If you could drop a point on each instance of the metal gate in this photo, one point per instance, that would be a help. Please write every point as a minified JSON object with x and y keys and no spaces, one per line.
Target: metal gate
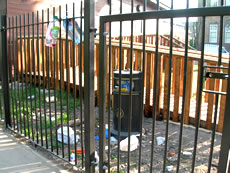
{"x":113,"y":157}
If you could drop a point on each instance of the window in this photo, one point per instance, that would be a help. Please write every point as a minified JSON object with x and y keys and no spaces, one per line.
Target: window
{"x":227,"y":34}
{"x":213,"y":33}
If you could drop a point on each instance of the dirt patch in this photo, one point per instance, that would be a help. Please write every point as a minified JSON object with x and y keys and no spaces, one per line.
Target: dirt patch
{"x":202,"y":154}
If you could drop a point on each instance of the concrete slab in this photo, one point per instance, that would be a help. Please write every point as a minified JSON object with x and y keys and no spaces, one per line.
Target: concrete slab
{"x":16,"y":157}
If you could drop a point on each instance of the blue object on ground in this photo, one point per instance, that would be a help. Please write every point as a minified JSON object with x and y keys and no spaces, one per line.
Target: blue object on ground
{"x":106,"y":135}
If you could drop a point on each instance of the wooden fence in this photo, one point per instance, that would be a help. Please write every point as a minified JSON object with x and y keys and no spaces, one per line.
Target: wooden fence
{"x":192,"y":85}
{"x":164,"y":40}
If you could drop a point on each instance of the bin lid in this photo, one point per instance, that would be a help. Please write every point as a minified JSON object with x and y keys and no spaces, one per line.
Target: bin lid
{"x":127,"y":71}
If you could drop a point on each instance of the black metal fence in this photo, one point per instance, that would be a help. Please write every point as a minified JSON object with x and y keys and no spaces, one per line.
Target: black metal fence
{"x":44,"y":107}
{"x":47,"y":101}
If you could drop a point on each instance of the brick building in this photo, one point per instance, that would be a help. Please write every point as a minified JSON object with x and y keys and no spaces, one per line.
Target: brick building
{"x":212,"y":26}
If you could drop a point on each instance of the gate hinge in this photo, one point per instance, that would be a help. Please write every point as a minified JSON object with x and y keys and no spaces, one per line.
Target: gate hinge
{"x":3,"y":28}
{"x":94,"y":30}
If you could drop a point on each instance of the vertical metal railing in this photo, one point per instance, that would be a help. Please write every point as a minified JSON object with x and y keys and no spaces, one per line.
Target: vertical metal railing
{"x":11,"y":75}
{"x":89,"y":32}
{"x":4,"y":69}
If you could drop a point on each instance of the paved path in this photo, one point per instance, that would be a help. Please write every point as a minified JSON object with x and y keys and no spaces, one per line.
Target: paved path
{"x":16,"y":157}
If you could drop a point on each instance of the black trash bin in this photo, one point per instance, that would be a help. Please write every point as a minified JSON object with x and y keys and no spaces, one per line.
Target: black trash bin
{"x":125,"y":107}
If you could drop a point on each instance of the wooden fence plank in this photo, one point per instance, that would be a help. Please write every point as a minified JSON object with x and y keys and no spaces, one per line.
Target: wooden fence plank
{"x":188,"y":90}
{"x":222,"y":105}
{"x":128,"y":54}
{"x":177,"y":89}
{"x":197,"y":93}
{"x":174,"y":73}
{"x":148,"y":87}
{"x":207,"y":88}
{"x":51,"y":66}
{"x":159,"y":84}
{"x":210,"y":101}
{"x":138,"y":60}
{"x":182,"y":77}
{"x":166,"y":86}
{"x":63,"y":65}
{"x":57,"y":67}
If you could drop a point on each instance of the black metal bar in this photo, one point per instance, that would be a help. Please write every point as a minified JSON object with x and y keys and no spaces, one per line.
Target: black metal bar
{"x":130,"y":90}
{"x":191,"y":12}
{"x":11,"y":74}
{"x":4,"y":66}
{"x":30,"y":74}
{"x":48,"y":71}
{"x":44,"y":80}
{"x":39,"y":79}
{"x":22,"y":82}
{"x":18,"y":75}
{"x":26,"y":74}
{"x":55,"y":93}
{"x":34,"y":76}
{"x":1,"y":108}
{"x":15,"y":75}
{"x":44,"y":22}
{"x":119,"y":98}
{"x":199,"y":92}
{"x":61,"y":67}
{"x":217,"y":95}
{"x":74,"y":85}
{"x":80,"y":88}
{"x":214,"y":92}
{"x":225,"y":141}
{"x":142,"y":89}
{"x":67,"y":77}
{"x":218,"y":67}
{"x":10,"y":71}
{"x":109,"y":90}
{"x":169,"y":90}
{"x":102,"y":95}
{"x":184,"y":94}
{"x":155,"y":88}
{"x":3,"y":35}
{"x":89,"y":13}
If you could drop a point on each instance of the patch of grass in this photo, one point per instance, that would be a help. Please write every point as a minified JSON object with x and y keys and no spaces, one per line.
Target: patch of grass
{"x":64,"y":118}
{"x":96,"y":123}
{"x":113,"y":156}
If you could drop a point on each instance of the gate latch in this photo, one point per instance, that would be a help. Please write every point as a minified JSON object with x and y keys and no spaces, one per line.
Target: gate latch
{"x":214,"y":75}
{"x":210,"y":74}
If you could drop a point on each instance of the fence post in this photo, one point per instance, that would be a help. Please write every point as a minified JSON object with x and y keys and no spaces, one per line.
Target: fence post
{"x":89,"y":101}
{"x":4,"y":62}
